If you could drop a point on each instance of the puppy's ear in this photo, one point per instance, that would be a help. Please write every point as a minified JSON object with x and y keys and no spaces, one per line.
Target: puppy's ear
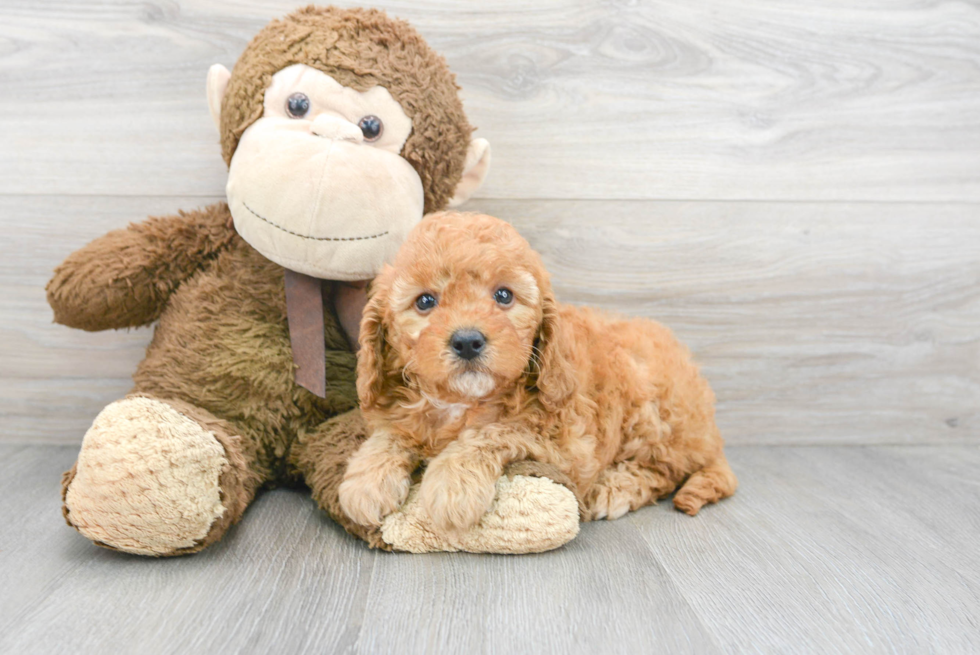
{"x":555,"y":375}
{"x":373,"y":350}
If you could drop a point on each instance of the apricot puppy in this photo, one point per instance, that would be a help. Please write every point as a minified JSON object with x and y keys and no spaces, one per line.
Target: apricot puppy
{"x":467,"y":363}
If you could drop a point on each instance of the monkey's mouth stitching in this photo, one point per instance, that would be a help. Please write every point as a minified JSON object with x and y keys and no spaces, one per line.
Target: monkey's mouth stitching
{"x":303,"y":236}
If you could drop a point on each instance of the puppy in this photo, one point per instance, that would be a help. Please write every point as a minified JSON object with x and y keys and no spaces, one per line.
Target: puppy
{"x":467,"y":363}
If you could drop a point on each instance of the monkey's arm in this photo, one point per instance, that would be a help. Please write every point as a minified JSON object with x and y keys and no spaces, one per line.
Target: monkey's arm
{"x":124,"y":278}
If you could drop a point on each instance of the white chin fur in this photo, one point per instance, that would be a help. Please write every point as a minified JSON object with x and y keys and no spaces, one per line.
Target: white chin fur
{"x":472,"y":383}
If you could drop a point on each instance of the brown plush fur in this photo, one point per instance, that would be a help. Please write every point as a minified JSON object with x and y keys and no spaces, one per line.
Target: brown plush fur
{"x":614,"y":403}
{"x":221,"y":351}
{"x":361,"y":48}
{"x":126,"y":278}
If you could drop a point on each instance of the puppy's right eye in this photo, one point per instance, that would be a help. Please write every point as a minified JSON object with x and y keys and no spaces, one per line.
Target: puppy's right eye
{"x":504,"y":297}
{"x":425,"y":302}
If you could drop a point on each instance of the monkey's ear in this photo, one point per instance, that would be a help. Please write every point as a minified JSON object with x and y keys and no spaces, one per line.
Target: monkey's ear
{"x":218,"y":77}
{"x":475,"y":170}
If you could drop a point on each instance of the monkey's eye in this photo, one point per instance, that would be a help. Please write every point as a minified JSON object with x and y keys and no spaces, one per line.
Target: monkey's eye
{"x":504,"y":297}
{"x":371,"y":128}
{"x":298,"y":105}
{"x":425,"y":302}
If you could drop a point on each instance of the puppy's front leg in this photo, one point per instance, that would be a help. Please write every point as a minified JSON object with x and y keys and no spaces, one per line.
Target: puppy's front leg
{"x":377,"y":479}
{"x":459,"y":484}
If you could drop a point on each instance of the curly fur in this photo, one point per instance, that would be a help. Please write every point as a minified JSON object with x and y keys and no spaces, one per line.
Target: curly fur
{"x":614,"y":403}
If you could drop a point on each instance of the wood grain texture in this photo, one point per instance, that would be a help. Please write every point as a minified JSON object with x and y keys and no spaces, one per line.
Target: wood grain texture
{"x":580,"y":98}
{"x":285,"y":580}
{"x":49,"y":389}
{"x":601,"y":590}
{"x":815,"y":322}
{"x":832,"y":550}
{"x":822,"y":550}
{"x":33,"y":555}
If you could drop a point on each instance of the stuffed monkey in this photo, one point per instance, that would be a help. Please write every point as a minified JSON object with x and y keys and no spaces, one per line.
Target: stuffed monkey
{"x":341,"y":128}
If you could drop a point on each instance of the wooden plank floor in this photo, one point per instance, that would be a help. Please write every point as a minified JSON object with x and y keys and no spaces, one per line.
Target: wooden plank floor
{"x":718,"y":99}
{"x":823,"y":550}
{"x":813,"y":322}
{"x":793,"y":187}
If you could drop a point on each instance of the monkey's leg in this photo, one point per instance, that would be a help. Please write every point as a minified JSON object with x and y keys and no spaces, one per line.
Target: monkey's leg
{"x":321,"y":458}
{"x":534,"y":508}
{"x":159,"y":477}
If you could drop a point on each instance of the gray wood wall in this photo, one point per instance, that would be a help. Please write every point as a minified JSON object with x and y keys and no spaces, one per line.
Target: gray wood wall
{"x":794,"y":187}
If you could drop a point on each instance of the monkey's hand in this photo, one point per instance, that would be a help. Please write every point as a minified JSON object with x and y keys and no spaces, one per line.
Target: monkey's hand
{"x":124,"y":278}
{"x":534,"y":509}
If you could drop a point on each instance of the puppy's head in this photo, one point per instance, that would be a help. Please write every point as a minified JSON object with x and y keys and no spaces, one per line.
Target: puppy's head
{"x":465,"y":311}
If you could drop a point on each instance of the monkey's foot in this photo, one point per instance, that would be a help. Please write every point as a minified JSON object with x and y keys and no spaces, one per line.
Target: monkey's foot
{"x":528,"y":515}
{"x":146,"y":480}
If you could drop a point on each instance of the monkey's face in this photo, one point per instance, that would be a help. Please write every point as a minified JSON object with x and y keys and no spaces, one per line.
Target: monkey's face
{"x":317,"y":184}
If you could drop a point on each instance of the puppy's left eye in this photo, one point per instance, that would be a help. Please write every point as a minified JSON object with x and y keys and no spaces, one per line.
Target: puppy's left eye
{"x":425,"y":302}
{"x":504,"y":296}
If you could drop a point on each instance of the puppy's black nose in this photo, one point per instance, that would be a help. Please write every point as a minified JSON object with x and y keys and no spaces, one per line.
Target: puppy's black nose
{"x":468,"y":344}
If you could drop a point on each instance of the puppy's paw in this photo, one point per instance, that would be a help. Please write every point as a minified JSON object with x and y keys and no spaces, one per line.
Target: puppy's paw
{"x":454,"y":497}
{"x":606,"y":503}
{"x":368,"y":499}
{"x":688,"y":502}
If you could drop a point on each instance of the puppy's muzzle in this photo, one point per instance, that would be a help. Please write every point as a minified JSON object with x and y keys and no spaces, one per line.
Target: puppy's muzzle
{"x":468,"y":344}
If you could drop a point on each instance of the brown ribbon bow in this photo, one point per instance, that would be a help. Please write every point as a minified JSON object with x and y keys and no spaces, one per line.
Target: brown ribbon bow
{"x":304,"y":311}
